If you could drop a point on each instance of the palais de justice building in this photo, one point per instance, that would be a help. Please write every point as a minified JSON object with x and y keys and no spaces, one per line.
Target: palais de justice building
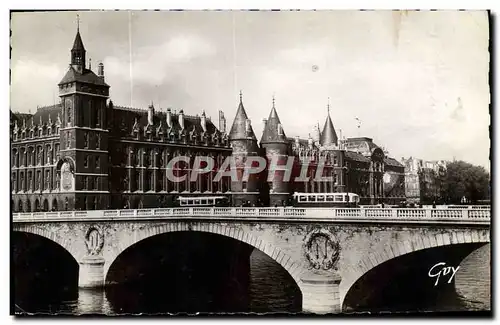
{"x":87,"y":153}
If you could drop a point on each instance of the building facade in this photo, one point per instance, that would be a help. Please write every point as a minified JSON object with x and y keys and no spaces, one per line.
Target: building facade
{"x":422,"y":179}
{"x":86,"y":153}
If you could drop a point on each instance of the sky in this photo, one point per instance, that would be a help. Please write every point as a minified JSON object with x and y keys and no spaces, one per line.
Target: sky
{"x":417,"y":81}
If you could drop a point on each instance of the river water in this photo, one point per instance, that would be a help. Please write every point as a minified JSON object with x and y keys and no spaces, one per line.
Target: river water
{"x":272,"y":290}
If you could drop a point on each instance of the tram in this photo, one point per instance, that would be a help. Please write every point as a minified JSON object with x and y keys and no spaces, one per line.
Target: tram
{"x":348,"y":200}
{"x":203,"y":201}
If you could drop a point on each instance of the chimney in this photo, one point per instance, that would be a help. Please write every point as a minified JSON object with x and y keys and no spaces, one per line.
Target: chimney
{"x":203,"y":122}
{"x":181,"y":119}
{"x":151,"y":112}
{"x":264,"y":121}
{"x":169,"y":117}
{"x":222,"y":122}
{"x":100,"y":71}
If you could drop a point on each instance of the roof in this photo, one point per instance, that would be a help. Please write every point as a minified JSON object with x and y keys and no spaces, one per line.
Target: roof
{"x":239,"y":129}
{"x":46,"y":114}
{"x":19,"y":117}
{"x":392,"y":162}
{"x":356,"y":156}
{"x":87,"y":76}
{"x":127,"y":116}
{"x":328,"y":136}
{"x":78,"y":44}
{"x":271,"y":132}
{"x":363,"y":145}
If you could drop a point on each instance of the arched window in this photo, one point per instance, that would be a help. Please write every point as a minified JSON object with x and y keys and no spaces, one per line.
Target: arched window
{"x":86,"y":140}
{"x":66,"y":204}
{"x":28,"y":206}
{"x":20,"y":206}
{"x":54,"y":205}
{"x":96,"y":183}
{"x":98,"y":141}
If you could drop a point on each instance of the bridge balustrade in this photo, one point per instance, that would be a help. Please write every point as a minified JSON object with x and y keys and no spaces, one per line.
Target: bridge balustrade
{"x":411,"y":213}
{"x":448,"y":213}
{"x":295,"y":212}
{"x":479,"y":213}
{"x":247,"y":212}
{"x":376,"y":214}
{"x":379,"y":213}
{"x":347,"y":212}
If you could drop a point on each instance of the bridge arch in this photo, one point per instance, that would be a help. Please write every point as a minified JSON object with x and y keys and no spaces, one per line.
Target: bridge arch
{"x":416,"y":243}
{"x":294,"y":268}
{"x":54,"y":236}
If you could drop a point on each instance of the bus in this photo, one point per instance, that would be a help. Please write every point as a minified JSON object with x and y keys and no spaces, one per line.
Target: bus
{"x":348,"y":200}
{"x":203,"y":201}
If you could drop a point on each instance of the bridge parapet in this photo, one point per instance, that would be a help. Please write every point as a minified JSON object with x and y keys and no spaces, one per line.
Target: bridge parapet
{"x":470,"y":215}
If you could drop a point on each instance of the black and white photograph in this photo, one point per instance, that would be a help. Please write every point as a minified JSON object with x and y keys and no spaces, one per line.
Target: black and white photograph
{"x":250,"y":162}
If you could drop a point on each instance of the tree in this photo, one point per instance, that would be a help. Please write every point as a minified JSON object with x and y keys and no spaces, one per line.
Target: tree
{"x":464,"y":179}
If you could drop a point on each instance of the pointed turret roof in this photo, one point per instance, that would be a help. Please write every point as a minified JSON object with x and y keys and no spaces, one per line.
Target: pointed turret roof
{"x":328,"y":136}
{"x":78,"y":44}
{"x":271,"y":133}
{"x":239,"y":128}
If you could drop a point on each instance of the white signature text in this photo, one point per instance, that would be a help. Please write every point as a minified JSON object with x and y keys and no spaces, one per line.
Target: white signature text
{"x":440,"y":269}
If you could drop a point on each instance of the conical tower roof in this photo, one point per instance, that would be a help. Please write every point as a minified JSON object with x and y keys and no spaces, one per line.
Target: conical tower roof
{"x":78,"y":43}
{"x":273,"y":130}
{"x":241,"y":129}
{"x":328,"y":136}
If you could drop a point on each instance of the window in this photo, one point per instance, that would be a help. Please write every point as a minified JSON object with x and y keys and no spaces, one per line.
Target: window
{"x":30,"y":181}
{"x":14,"y":182}
{"x":57,"y":151}
{"x":147,"y":157}
{"x":98,"y":141}
{"x":137,"y":181}
{"x":22,"y":182}
{"x":47,"y":180}
{"x":38,"y":180}
{"x":335,"y":178}
{"x":151,"y":181}
{"x":96,"y":183}
{"x":86,"y":140}
{"x":97,"y":117}
{"x":68,"y":141}
{"x":84,"y":203}
{"x":335,"y":161}
{"x":97,"y":162}
{"x":69,"y":115}
{"x":86,"y":161}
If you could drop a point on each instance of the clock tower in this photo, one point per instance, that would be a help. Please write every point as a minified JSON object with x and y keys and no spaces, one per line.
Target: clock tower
{"x":83,"y":166}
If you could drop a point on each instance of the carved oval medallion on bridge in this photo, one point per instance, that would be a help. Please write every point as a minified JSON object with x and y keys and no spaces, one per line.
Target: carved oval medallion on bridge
{"x":321,"y":249}
{"x":94,"y":240}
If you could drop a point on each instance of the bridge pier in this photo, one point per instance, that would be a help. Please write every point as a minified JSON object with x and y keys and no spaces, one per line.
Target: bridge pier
{"x":91,"y":273}
{"x":320,"y":293}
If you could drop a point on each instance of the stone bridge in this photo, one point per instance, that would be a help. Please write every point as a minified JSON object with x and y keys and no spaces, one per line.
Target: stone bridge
{"x":326,"y":251}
